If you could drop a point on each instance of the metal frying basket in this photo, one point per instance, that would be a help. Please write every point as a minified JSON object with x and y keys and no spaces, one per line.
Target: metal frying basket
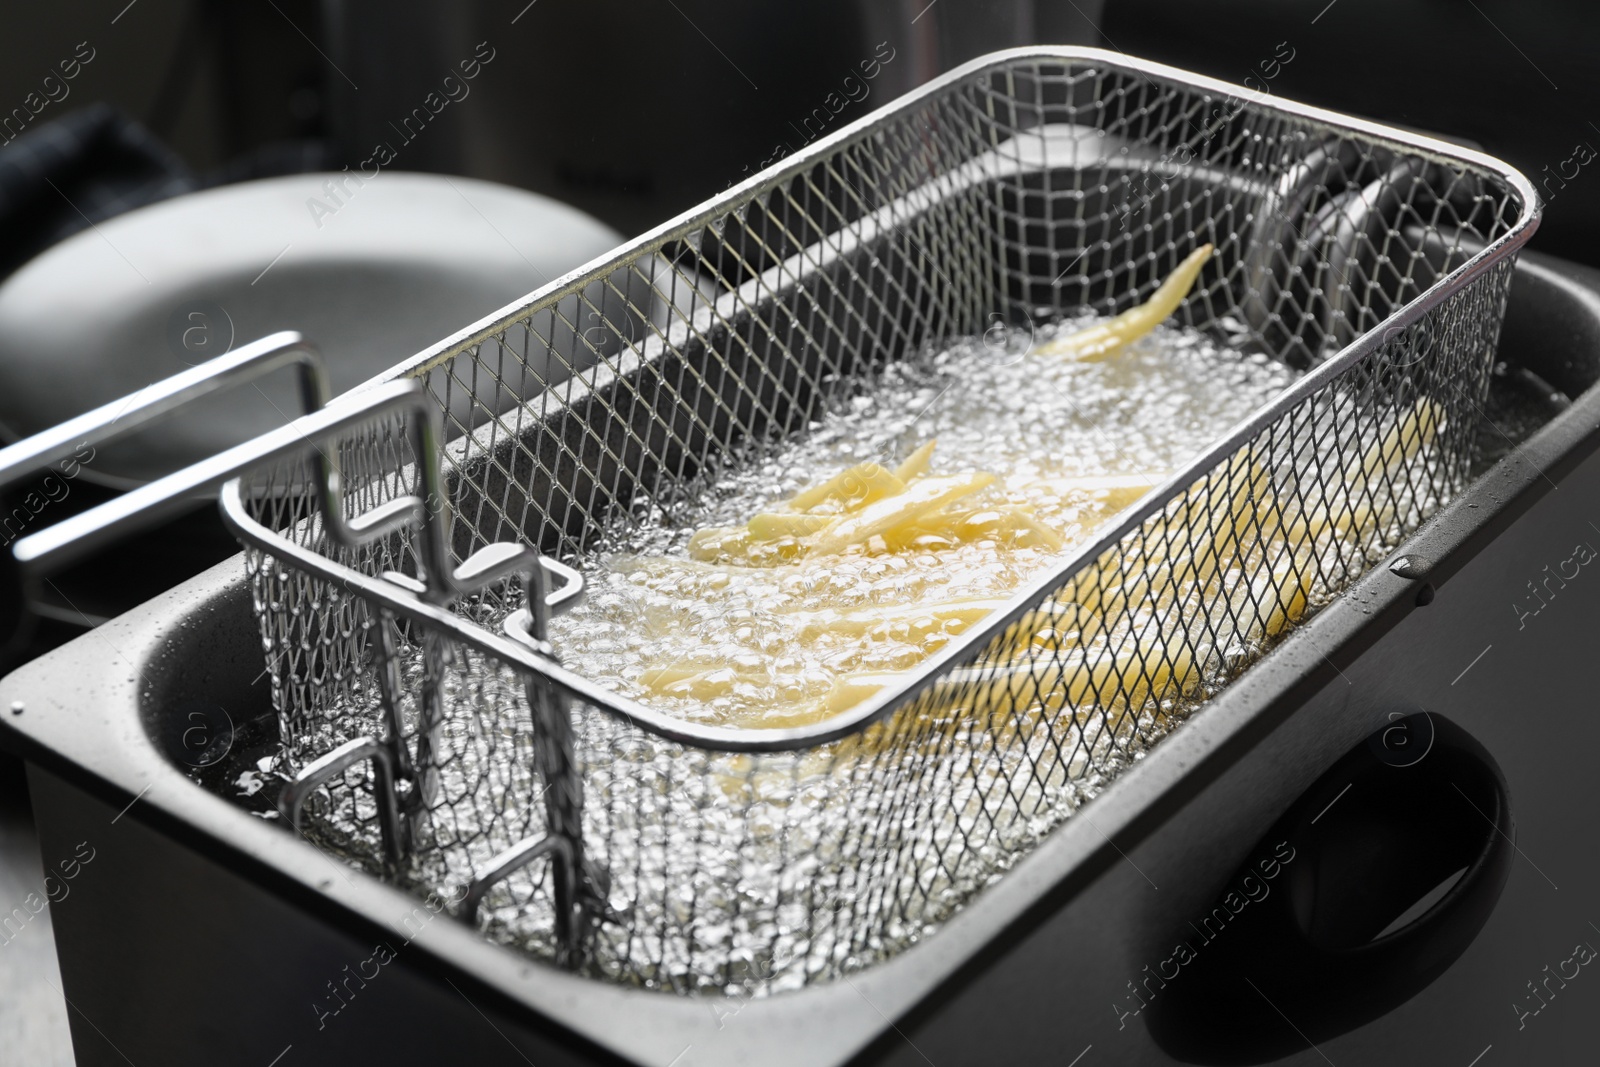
{"x":440,"y":746}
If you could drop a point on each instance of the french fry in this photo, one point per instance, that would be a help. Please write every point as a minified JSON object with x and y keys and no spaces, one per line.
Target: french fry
{"x":1404,"y":441}
{"x":1005,"y":522}
{"x":916,"y":463}
{"x":699,"y":682}
{"x":1099,"y":643}
{"x":1220,"y":512}
{"x":1128,"y":678}
{"x":1106,"y":339}
{"x":1013,"y":523}
{"x":923,"y":496}
{"x":1229,"y":507}
{"x":773,"y":525}
{"x":736,"y":544}
{"x":1113,"y":492}
{"x":910,"y":623}
{"x":717,"y":542}
{"x":1283,"y":600}
{"x":1055,"y":625}
{"x":1411,"y":433}
{"x":850,"y":489}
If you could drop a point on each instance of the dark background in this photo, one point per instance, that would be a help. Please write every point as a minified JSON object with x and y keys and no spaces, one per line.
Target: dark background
{"x":635,"y":110}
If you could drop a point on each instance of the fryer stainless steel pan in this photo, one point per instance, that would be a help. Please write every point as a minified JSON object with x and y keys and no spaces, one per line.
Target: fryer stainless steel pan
{"x":1379,"y":259}
{"x":1033,"y":183}
{"x":249,"y":923}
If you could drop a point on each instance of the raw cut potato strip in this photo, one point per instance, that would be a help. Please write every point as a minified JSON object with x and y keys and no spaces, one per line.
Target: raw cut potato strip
{"x":851,"y":489}
{"x":916,"y":463}
{"x":1106,"y":339}
{"x":909,"y":623}
{"x":924,"y":495}
{"x":1005,"y":522}
{"x":1127,"y":678}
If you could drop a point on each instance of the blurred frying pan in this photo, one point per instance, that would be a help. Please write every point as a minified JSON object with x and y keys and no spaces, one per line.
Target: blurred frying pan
{"x":376,"y":269}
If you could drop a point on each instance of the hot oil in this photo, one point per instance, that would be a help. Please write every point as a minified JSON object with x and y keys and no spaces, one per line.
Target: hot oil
{"x":760,"y":636}
{"x":760,"y":873}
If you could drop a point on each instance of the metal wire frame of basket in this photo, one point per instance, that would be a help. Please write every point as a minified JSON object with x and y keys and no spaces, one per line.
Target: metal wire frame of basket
{"x":1036,"y":182}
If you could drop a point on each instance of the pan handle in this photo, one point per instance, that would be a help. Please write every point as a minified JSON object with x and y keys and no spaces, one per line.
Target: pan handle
{"x":1381,"y":874}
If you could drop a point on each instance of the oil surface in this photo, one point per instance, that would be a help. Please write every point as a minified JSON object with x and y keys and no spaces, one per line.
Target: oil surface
{"x":1040,"y":424}
{"x":753,"y":874}
{"x":721,"y":872}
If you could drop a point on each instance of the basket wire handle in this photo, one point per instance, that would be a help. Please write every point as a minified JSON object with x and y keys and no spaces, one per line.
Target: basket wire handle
{"x":82,"y":534}
{"x":424,"y":511}
{"x":427,"y":509}
{"x":92,"y":529}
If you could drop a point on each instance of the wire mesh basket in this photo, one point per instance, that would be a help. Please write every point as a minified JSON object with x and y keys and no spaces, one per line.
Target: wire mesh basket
{"x":589,"y":827}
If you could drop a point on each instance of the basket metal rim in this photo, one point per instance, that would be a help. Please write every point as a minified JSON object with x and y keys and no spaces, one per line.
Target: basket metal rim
{"x":574,"y":281}
{"x":881,"y":704}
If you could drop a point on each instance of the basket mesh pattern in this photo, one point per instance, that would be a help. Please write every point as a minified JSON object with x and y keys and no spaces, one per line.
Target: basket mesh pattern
{"x":1035,"y":186}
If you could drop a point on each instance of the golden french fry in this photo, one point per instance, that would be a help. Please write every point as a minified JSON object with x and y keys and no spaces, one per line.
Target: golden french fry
{"x":1106,"y":339}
